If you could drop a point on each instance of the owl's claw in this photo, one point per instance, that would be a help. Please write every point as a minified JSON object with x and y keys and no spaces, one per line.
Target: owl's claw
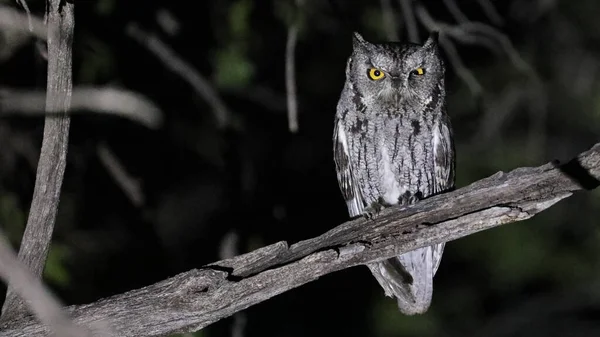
{"x":373,"y":211}
{"x":409,"y":198}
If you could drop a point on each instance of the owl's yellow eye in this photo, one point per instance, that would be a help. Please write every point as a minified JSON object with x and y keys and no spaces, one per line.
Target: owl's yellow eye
{"x":419,"y":71}
{"x":376,"y":74}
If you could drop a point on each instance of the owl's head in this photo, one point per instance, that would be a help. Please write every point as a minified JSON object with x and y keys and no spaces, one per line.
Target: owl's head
{"x":396,"y":72}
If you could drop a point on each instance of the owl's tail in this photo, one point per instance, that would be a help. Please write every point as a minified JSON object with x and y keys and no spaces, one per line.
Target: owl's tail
{"x":409,"y":277}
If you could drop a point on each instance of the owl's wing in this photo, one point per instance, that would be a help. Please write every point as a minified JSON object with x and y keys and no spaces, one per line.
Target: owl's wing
{"x":443,"y":155}
{"x":345,"y":175}
{"x":444,"y":167}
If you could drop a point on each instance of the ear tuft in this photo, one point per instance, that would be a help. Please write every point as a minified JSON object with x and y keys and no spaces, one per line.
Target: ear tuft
{"x":358,"y":41}
{"x":432,"y":40}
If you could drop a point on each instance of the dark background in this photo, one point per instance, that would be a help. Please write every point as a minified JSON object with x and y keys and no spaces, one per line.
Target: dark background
{"x":262,"y":184}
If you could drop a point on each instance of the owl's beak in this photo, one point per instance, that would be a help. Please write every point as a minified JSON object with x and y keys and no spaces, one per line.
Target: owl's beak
{"x":398,"y":83}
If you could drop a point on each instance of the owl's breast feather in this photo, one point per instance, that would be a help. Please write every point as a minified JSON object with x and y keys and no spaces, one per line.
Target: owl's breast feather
{"x":390,"y":188}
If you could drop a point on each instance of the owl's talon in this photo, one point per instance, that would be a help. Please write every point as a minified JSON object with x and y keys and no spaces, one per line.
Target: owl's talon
{"x":373,"y":211}
{"x":409,"y":198}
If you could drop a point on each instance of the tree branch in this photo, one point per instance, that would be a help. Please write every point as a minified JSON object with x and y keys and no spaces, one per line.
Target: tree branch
{"x":53,"y":156}
{"x":12,"y":19}
{"x":410,"y":22}
{"x":389,"y":20}
{"x":183,"y":69}
{"x":43,"y":303}
{"x":107,"y":100}
{"x":290,"y":70}
{"x":192,"y":300}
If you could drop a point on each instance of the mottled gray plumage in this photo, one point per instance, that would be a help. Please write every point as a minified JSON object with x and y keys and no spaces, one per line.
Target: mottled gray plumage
{"x":393,"y":144}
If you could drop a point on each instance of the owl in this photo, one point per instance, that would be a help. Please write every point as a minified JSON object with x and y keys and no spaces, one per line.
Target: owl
{"x":392,"y":144}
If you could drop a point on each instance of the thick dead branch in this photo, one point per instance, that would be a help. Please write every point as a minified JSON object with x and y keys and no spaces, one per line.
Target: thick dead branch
{"x":120,"y":102}
{"x":194,"y":299}
{"x":43,"y":303}
{"x":53,"y":156}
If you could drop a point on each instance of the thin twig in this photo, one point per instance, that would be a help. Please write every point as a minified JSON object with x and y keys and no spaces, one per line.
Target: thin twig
{"x":481,"y":34}
{"x":455,"y":60}
{"x":130,"y":185}
{"x":176,"y":64}
{"x":12,"y":19}
{"x":23,"y":4}
{"x":53,"y":156}
{"x":461,"y":70}
{"x":491,"y":12}
{"x":290,"y":71}
{"x":29,"y":287}
{"x":410,"y":21}
{"x":455,"y":10}
{"x":115,"y":101}
{"x":389,"y":20}
{"x":168,"y":22}
{"x":504,"y":42}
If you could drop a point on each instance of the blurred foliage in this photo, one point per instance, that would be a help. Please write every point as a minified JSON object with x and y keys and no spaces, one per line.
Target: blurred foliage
{"x":233,"y":68}
{"x":535,"y":278}
{"x":55,"y":272}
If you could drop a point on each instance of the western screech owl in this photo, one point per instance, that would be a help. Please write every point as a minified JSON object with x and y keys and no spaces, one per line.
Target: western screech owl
{"x":393,"y":144}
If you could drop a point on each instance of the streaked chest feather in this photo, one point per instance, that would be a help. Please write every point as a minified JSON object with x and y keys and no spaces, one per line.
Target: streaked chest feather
{"x":393,"y":156}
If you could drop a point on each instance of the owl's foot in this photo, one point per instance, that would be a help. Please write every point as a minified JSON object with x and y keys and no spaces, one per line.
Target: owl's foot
{"x":373,"y":211}
{"x":409,"y":198}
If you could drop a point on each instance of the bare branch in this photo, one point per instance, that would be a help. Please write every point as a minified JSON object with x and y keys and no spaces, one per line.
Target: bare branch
{"x":120,"y":102}
{"x":503,"y":41}
{"x":290,"y":71}
{"x":23,"y":4}
{"x":455,"y":10}
{"x":410,"y":21}
{"x":455,"y":60}
{"x":168,"y":22}
{"x":53,"y":156}
{"x":491,"y":12}
{"x":389,"y":21}
{"x":462,"y":71}
{"x":176,"y":64}
{"x":12,"y":19}
{"x":29,"y":287}
{"x":194,"y":299}
{"x":130,"y":186}
{"x":228,"y":250}
{"x":478,"y":33}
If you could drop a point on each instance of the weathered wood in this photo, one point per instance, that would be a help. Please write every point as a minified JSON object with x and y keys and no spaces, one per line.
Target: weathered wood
{"x":194,"y":299}
{"x":41,"y":301}
{"x":53,"y":156}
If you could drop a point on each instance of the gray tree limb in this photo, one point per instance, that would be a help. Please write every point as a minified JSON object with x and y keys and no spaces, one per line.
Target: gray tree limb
{"x":51,"y":166}
{"x":192,"y":300}
{"x":101,"y":100}
{"x":43,"y":303}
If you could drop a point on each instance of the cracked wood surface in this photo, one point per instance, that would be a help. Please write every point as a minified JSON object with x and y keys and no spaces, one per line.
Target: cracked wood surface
{"x":194,"y":299}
